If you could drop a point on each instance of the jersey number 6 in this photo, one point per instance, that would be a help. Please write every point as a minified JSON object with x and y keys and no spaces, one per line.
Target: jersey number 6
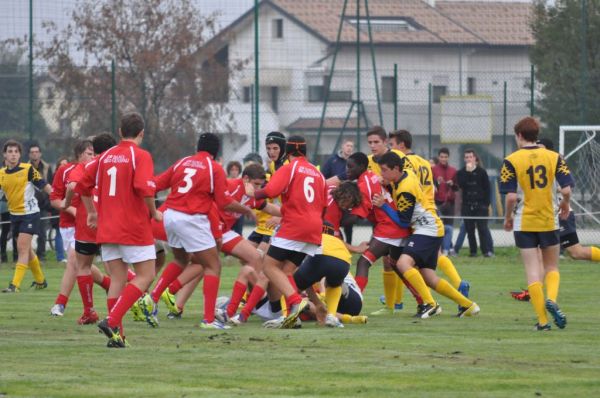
{"x":309,"y":191}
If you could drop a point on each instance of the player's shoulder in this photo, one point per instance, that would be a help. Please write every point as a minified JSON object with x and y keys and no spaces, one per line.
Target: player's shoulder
{"x":398,"y":152}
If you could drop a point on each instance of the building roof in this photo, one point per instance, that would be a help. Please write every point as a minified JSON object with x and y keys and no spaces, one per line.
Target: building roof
{"x":410,"y":21}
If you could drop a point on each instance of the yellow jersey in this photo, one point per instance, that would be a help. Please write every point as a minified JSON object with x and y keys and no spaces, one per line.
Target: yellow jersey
{"x":261,"y":216}
{"x":375,"y":168}
{"x":334,"y":247}
{"x":531,"y":172}
{"x":414,"y":208}
{"x":423,"y":170}
{"x":18,"y":184}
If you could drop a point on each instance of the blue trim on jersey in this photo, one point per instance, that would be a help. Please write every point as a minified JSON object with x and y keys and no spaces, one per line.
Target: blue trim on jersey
{"x":393,"y":214}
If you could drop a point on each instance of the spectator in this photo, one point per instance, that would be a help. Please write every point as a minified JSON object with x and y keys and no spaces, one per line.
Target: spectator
{"x":475,"y":185}
{"x":234,"y":169}
{"x":35,"y":158}
{"x":444,"y":178}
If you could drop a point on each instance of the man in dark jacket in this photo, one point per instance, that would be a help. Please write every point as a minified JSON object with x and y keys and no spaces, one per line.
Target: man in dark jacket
{"x":336,"y":164}
{"x":475,"y":185}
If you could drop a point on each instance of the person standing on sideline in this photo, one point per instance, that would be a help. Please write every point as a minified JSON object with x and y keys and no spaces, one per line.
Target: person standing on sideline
{"x":335,"y":166}
{"x":35,"y":158}
{"x":444,"y":178}
{"x":475,"y":185}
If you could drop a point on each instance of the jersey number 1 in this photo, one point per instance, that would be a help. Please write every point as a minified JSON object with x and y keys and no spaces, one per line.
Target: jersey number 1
{"x":112,"y":188}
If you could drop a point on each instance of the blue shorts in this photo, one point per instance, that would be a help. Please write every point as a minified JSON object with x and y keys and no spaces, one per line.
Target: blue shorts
{"x":26,"y":224}
{"x":258,"y":237}
{"x":568,"y":232}
{"x":424,"y":250}
{"x":530,"y":240}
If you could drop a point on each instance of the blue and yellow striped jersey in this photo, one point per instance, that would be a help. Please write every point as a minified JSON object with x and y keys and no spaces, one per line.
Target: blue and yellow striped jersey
{"x":531,"y":173}
{"x":414,"y":208}
{"x":18,"y":184}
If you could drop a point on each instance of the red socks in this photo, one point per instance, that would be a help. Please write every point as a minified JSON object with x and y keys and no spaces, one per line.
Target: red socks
{"x":128,"y":296}
{"x":105,"y":283}
{"x":362,"y":281}
{"x":210,"y":290}
{"x":130,"y":275}
{"x":61,"y":299}
{"x":175,"y":286}
{"x":236,"y":297}
{"x":293,"y":299}
{"x":171,"y":272}
{"x":255,"y":296}
{"x":86,"y":289}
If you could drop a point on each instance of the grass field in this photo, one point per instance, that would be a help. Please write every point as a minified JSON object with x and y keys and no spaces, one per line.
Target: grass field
{"x":495,"y":354}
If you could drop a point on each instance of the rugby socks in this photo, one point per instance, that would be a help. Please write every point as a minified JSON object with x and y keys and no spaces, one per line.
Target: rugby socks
{"x":595,"y":254}
{"x":62,"y":300}
{"x":255,"y":296}
{"x":347,"y":318}
{"x":19,"y":274}
{"x":389,"y":288}
{"x":86,"y":289}
{"x":170,"y":273}
{"x":332,"y":298}
{"x":175,"y":286}
{"x":416,"y":280}
{"x":290,"y":278}
{"x":210,"y":290}
{"x":399,"y":290}
{"x":130,"y":275}
{"x":128,"y":296}
{"x":105,"y":283}
{"x":536,"y":297}
{"x":36,"y":269}
{"x":412,"y":290}
{"x":446,"y":289}
{"x":362,"y":282}
{"x":239,"y":289}
{"x":445,"y":264}
{"x":552,"y":281}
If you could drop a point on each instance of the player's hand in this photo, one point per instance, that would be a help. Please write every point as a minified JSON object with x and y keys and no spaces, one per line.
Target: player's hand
{"x":470,"y":166}
{"x":508,"y":224}
{"x":563,"y":210}
{"x":71,"y":210}
{"x":62,"y":206}
{"x":158,"y":216}
{"x":321,"y":314}
{"x":249,"y":189}
{"x":450,"y":183}
{"x":362,"y":247}
{"x":251,"y":215}
{"x":378,"y":200}
{"x":272,"y":222}
{"x":92,"y":220}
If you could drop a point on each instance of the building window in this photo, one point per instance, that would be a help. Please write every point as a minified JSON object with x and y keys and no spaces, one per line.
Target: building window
{"x":277,"y":28}
{"x":471,"y":86}
{"x":387,"y":89}
{"x":316,"y":93}
{"x":247,"y":96}
{"x":437,"y":93}
{"x":275,"y":99}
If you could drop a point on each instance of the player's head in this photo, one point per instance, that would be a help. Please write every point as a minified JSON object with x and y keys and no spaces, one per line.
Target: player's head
{"x":209,"y":142}
{"x":401,"y":140}
{"x":356,"y":164}
{"x":132,"y":126}
{"x":377,"y":140}
{"x":12,"y":152}
{"x":83,"y":150}
{"x":251,"y":158}
{"x":35,"y":152}
{"x":392,"y":167}
{"x":347,"y":195}
{"x":295,"y":146}
{"x":443,"y":156}
{"x":546,"y":143}
{"x":103,"y":142}
{"x":255,"y":175}
{"x":275,"y":145}
{"x":527,"y":131}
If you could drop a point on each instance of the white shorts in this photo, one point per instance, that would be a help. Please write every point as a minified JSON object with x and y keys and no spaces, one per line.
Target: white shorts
{"x":398,"y":242}
{"x":294,"y":245}
{"x":68,"y":237}
{"x":190,"y":232}
{"x":128,"y":253}
{"x":265,"y":313}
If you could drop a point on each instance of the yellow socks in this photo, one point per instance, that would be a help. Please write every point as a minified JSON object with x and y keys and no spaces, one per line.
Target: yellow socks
{"x":595,"y":253}
{"x":445,"y":264}
{"x":346,"y":318}
{"x":36,"y":270}
{"x":332,"y":298}
{"x":20,"y":271}
{"x":399,"y":290}
{"x":552,"y":282}
{"x":536,"y":295}
{"x":416,"y":280}
{"x":445,"y":289}
{"x":390,"y":280}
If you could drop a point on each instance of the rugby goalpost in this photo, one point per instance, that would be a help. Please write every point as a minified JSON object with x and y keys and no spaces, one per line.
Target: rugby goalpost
{"x":581,"y":145}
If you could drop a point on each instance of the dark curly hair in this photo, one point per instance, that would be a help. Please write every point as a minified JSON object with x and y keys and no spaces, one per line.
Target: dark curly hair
{"x":347,"y":192}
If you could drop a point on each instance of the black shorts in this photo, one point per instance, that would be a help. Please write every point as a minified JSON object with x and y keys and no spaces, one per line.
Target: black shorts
{"x":26,"y":223}
{"x":350,"y":302}
{"x":313,"y":269}
{"x":568,"y":232}
{"x":258,"y":238}
{"x":280,"y":254}
{"x":530,"y":240}
{"x":424,"y":250}
{"x":87,"y":248}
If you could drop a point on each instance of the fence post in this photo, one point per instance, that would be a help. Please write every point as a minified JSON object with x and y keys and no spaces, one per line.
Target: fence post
{"x":113,"y":97}
{"x":395,"y":97}
{"x":531,"y":93}
{"x":256,"y":79}
{"x":429,"y":115}
{"x":30,"y":116}
{"x":504,"y":123}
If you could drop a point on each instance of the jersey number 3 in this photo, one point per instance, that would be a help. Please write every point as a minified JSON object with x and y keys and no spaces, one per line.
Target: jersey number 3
{"x":537,"y":176}
{"x":187,"y":178}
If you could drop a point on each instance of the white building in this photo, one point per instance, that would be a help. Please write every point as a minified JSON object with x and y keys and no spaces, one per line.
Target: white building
{"x":464,"y":50}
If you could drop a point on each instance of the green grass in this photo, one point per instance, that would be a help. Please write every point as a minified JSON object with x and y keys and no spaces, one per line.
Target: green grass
{"x":495,"y":354}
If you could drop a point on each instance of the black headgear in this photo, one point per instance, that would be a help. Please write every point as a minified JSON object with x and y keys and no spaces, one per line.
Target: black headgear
{"x":296,"y":146}
{"x":209,"y":142}
{"x":275,"y":137}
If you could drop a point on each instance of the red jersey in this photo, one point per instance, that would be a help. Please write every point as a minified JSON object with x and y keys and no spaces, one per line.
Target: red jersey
{"x":83,"y":233}
{"x":59,"y":190}
{"x":304,"y":196}
{"x":237,"y":191}
{"x":124,"y":177}
{"x":333,"y":213}
{"x":195,"y":181}
{"x":384,"y":227}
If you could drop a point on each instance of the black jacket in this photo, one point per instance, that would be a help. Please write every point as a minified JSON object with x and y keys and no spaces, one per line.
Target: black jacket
{"x":475,"y":186}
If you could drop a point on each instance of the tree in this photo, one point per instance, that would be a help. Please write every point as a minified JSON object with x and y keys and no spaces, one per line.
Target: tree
{"x":567,"y":61}
{"x":159,"y":48}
